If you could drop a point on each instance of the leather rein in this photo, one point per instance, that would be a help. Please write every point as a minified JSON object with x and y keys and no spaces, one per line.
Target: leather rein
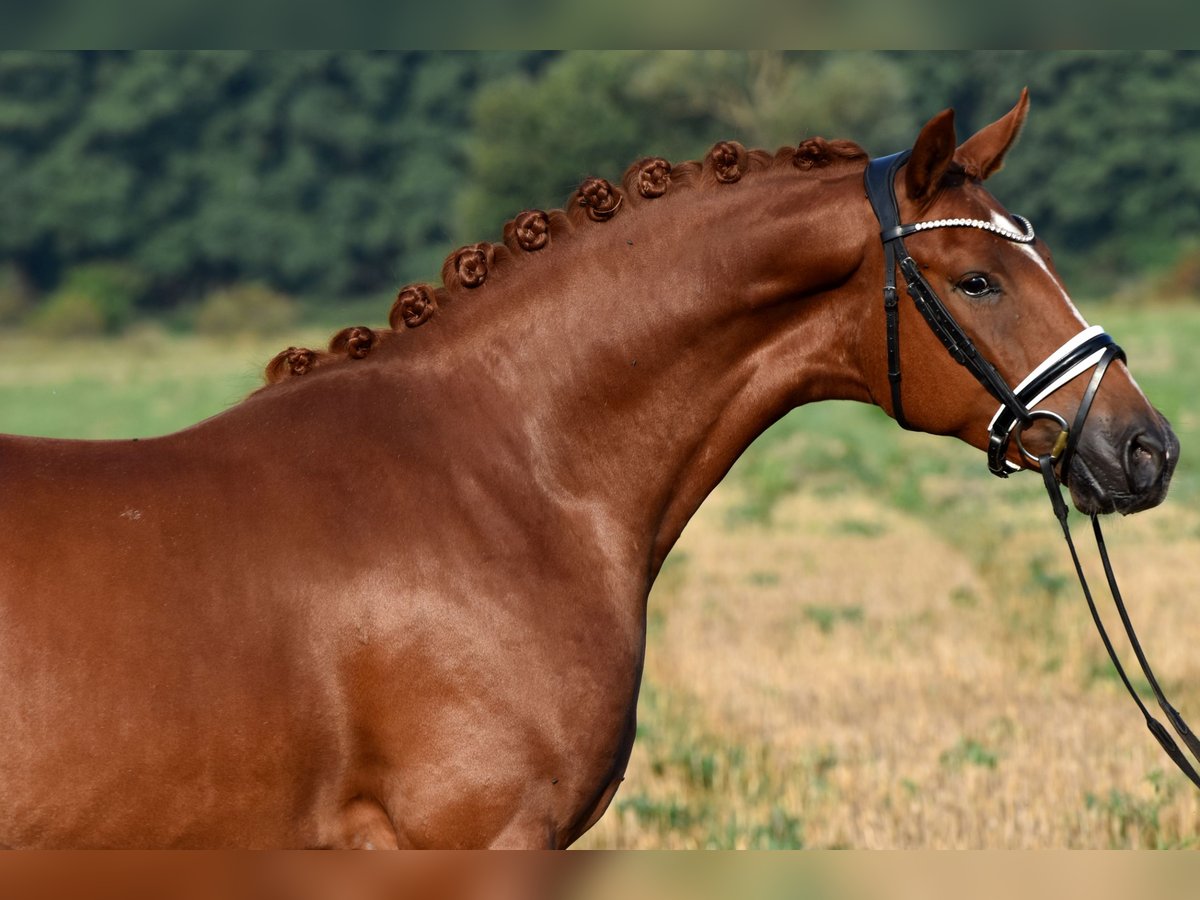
{"x":1092,"y":349}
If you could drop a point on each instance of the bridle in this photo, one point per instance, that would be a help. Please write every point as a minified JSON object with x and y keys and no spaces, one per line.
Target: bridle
{"x":1091,"y":349}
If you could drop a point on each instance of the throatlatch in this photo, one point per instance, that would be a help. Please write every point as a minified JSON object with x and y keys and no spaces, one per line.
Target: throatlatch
{"x":1092,"y":348}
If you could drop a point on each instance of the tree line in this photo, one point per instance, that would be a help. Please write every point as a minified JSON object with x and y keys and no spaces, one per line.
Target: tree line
{"x":343,"y":173}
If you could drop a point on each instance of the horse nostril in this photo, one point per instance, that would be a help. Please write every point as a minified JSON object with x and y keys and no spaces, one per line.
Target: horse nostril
{"x":1144,"y":461}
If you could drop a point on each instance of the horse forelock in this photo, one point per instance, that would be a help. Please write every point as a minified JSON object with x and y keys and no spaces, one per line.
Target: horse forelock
{"x":473,"y":267}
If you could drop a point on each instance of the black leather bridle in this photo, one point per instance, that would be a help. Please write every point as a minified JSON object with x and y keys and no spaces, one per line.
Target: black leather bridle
{"x":1092,"y":349}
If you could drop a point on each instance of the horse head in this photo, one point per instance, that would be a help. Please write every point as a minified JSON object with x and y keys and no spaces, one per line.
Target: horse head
{"x":992,"y":324}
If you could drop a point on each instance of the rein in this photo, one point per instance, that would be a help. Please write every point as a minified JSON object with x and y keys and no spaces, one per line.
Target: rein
{"x":1092,"y":348}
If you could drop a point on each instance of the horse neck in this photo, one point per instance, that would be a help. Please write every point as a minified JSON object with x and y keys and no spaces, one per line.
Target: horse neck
{"x":637,"y":358}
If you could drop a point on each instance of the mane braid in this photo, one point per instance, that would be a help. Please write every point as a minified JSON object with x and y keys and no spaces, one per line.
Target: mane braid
{"x":470,"y":270}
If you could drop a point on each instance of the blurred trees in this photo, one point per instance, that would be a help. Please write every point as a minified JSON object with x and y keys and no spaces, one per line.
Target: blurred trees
{"x":595,"y":112}
{"x":326,"y":172}
{"x":1108,"y":168}
{"x":336,"y":173}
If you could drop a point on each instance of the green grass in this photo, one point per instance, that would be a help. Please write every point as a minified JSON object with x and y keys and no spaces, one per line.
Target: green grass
{"x":1131,"y":818}
{"x":695,"y":775}
{"x":145,"y":384}
{"x":826,"y":617}
{"x":969,"y":752}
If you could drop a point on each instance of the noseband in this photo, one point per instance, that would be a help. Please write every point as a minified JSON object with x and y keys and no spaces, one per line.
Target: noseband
{"x":1092,"y":348}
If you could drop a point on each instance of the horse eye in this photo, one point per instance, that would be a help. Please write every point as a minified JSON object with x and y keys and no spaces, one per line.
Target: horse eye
{"x":976,"y":285}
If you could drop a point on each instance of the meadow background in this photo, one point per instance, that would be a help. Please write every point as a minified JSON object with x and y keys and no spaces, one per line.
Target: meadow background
{"x":863,"y":639}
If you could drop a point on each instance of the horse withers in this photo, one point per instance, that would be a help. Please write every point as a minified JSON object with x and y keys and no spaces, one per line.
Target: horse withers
{"x":397,"y":597}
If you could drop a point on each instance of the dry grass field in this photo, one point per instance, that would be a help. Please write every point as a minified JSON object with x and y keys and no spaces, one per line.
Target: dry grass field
{"x":862,"y":640}
{"x":847,"y":677}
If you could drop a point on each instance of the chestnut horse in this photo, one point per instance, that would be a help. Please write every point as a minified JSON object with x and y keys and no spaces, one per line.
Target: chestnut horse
{"x":398,"y":596}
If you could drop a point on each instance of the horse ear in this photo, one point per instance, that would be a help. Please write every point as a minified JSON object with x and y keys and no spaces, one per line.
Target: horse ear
{"x":982,"y":154}
{"x":931,"y":154}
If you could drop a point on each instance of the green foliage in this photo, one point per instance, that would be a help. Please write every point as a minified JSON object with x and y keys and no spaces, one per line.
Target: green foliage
{"x":969,"y":752}
{"x":1182,"y":280}
{"x":69,"y":314}
{"x":94,"y":298}
{"x":1047,"y":578}
{"x":16,"y":294}
{"x":861,"y":527}
{"x":244,"y":309}
{"x":826,"y":617}
{"x":764,"y":578}
{"x":1102,"y":671}
{"x":771,"y":477}
{"x":694,"y":774}
{"x":593,"y":112}
{"x":1108,"y":167}
{"x":1135,"y":821}
{"x":964,"y":596}
{"x":313,"y":171}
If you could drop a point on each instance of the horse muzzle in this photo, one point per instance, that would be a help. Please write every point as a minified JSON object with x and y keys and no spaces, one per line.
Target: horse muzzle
{"x":1123,"y":470}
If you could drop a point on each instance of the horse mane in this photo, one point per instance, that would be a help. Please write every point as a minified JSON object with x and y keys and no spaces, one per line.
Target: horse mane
{"x":594,"y":201}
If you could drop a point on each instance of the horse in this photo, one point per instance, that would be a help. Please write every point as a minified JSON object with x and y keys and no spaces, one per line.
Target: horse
{"x":397,"y":596}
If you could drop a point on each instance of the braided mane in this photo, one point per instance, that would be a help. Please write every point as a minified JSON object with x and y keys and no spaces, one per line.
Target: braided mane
{"x":595,"y":201}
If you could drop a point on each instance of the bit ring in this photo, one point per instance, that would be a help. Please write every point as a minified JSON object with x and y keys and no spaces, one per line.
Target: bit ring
{"x":1059,"y":443}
